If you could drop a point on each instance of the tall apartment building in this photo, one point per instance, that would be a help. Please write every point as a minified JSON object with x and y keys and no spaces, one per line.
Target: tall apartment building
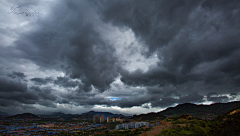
{"x":113,"y":119}
{"x":96,"y":118}
{"x":101,"y":119}
{"x":108,"y":119}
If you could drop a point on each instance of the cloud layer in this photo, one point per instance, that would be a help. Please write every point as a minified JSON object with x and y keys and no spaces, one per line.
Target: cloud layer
{"x":78,"y":54}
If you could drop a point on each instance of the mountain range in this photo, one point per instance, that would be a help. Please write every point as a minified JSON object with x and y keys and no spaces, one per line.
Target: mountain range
{"x":67,"y":116}
{"x":23,"y":116}
{"x":88,"y":115}
{"x":199,"y":111}
{"x":104,"y":114}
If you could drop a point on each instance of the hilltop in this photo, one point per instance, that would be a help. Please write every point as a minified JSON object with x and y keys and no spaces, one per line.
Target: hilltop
{"x":23,"y":116}
{"x":104,"y":114}
{"x":88,"y":115}
{"x":148,"y":116}
{"x":198,"y":111}
{"x":201,"y":111}
{"x":68,"y":116}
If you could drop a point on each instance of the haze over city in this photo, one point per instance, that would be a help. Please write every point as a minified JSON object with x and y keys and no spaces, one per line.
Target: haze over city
{"x":120,"y":56}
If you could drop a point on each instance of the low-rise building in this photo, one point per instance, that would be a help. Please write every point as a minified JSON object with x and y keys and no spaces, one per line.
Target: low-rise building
{"x":126,"y":126}
{"x":46,"y":125}
{"x":120,"y":120}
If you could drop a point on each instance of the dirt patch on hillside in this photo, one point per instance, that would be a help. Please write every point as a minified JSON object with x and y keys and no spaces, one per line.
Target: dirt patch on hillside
{"x":233,"y":112}
{"x":181,"y":125}
{"x":157,"y":129}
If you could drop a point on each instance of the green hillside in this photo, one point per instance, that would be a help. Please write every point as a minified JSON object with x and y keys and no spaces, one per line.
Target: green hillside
{"x":148,"y":116}
{"x":227,"y":124}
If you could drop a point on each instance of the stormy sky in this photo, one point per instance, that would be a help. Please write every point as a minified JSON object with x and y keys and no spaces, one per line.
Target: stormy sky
{"x":121,"y":56}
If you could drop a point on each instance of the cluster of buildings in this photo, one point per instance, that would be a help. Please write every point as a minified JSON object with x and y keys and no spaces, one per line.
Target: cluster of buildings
{"x":134,"y":125}
{"x":100,"y":119}
{"x":54,"y":128}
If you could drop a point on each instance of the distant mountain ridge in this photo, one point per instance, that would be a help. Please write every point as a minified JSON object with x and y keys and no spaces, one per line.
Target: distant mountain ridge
{"x":104,"y":114}
{"x":201,"y":111}
{"x":67,"y":116}
{"x":148,"y":116}
{"x":57,"y":114}
{"x":23,"y":116}
{"x":88,"y":115}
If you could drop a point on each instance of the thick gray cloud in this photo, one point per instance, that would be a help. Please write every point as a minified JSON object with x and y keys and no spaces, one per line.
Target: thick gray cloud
{"x":11,"y":86}
{"x":40,"y":81}
{"x":150,"y":78}
{"x":17,"y":75}
{"x":14,"y":93}
{"x":213,"y":96}
{"x":71,"y":53}
{"x":156,"y":23}
{"x":195,"y":40}
{"x":66,"y":82}
{"x":60,"y":81}
{"x":68,"y":35}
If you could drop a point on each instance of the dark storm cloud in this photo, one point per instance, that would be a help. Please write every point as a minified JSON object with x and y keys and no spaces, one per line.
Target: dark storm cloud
{"x":233,"y":94}
{"x":169,"y":101}
{"x":132,"y":101}
{"x":15,"y":93}
{"x":196,"y":42}
{"x":80,"y":97}
{"x":47,"y":103}
{"x":11,"y":86}
{"x":45,"y":93}
{"x":154,"y":22}
{"x":20,"y":97}
{"x":60,"y":81}
{"x":18,"y":75}
{"x":149,"y":78}
{"x":94,"y":99}
{"x":159,"y":98}
{"x":66,"y":82}
{"x":42,"y":81}
{"x":68,"y":37}
{"x":215,"y":97}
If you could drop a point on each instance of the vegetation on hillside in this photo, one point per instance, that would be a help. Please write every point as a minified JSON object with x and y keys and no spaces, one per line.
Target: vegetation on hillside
{"x":148,"y":116}
{"x":133,"y":132}
{"x":227,"y":124}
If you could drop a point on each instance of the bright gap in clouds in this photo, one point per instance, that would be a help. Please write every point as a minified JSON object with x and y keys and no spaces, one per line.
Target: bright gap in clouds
{"x":128,"y":48}
{"x":114,"y":98}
